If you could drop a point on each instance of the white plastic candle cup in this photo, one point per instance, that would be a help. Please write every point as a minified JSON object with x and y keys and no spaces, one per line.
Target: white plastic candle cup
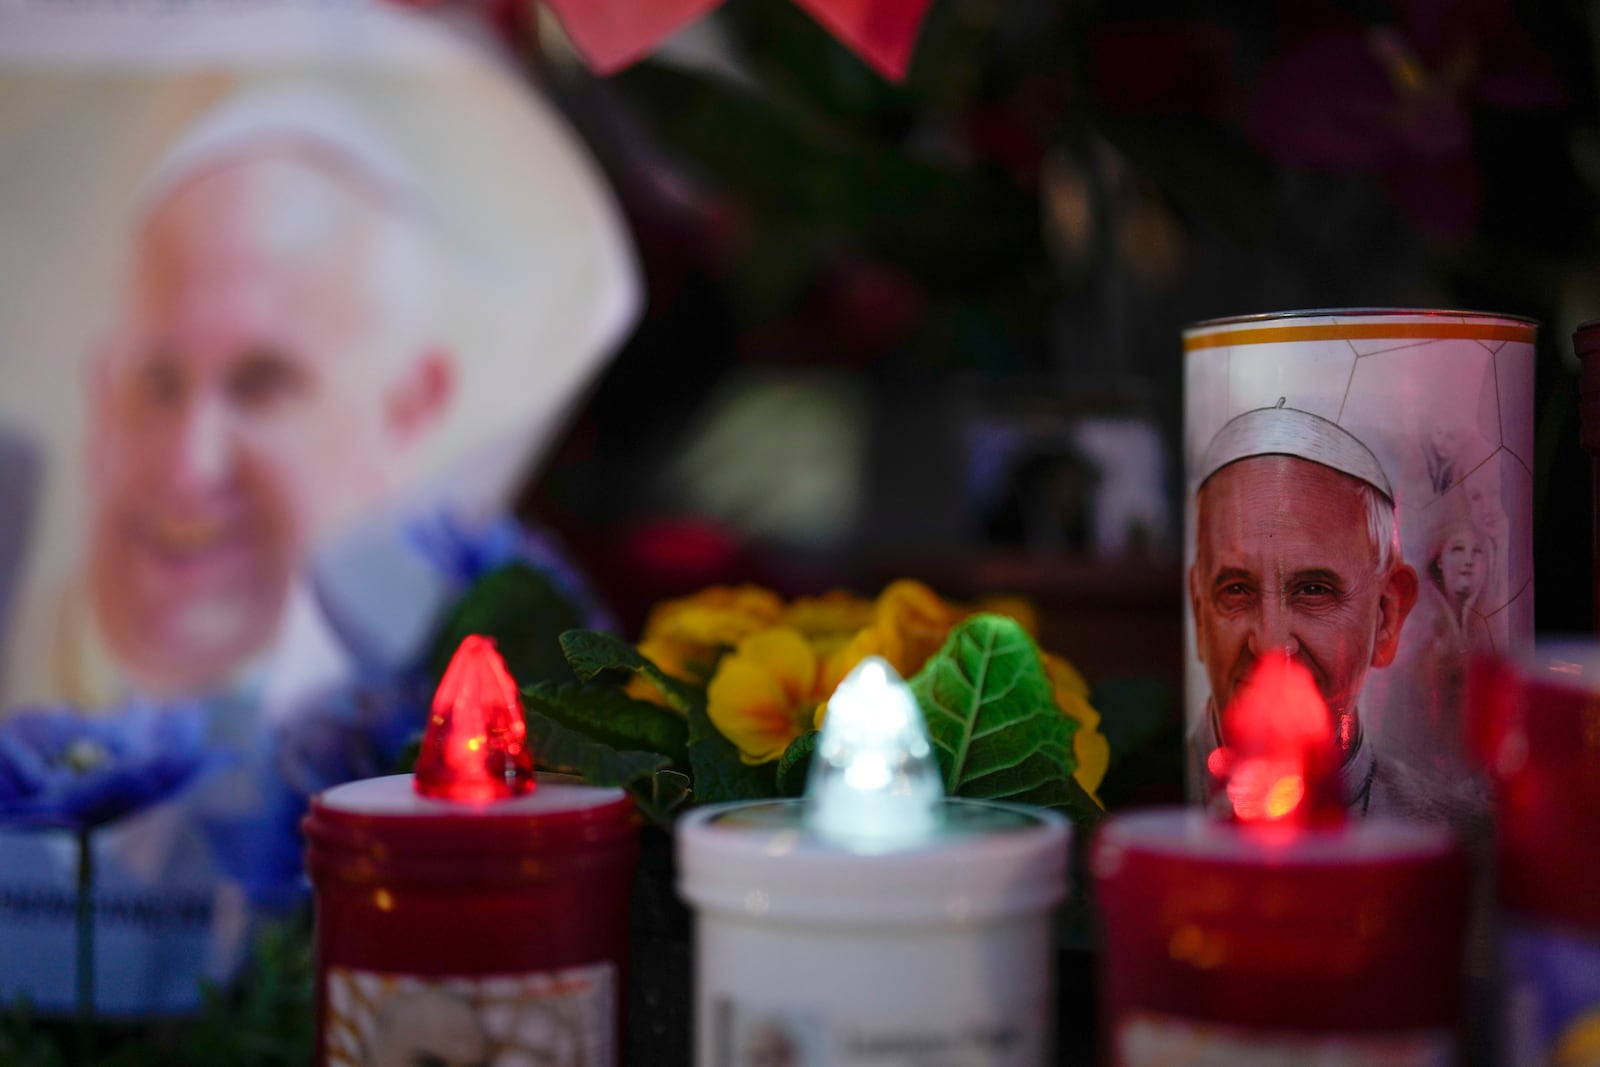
{"x":811,"y":953}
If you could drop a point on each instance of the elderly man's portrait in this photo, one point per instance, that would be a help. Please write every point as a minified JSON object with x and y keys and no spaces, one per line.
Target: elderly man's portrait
{"x":1297,"y":549}
{"x":305,"y":307}
{"x":275,"y":360}
{"x":287,"y":319}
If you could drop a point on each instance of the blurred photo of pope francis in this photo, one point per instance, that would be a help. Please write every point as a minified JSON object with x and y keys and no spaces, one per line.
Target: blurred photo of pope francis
{"x":277,"y":383}
{"x":274,"y":363}
{"x":323,"y":314}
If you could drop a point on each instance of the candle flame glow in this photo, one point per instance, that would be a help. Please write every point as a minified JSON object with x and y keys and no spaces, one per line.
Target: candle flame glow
{"x":475,"y":747}
{"x":1279,"y":762}
{"x":873,"y":779}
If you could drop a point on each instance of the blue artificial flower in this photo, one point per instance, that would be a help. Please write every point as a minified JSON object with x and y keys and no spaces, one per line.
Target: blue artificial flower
{"x":465,"y":553}
{"x":60,"y":769}
{"x":352,"y":731}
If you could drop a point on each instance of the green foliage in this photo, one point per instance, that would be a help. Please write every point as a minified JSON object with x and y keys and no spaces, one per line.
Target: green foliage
{"x":795,"y":764}
{"x":266,"y":1020}
{"x":592,"y":653}
{"x":22,"y":1042}
{"x":995,"y":727}
{"x":719,"y":774}
{"x":610,"y":716}
{"x":569,"y":751}
{"x":523,"y":611}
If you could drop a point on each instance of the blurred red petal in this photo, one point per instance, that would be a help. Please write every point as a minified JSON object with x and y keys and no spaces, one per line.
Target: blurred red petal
{"x":611,"y":34}
{"x":882,"y":32}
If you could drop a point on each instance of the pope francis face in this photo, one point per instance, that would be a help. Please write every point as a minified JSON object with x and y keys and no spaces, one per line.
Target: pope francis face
{"x":1286,"y":559}
{"x":269,"y":372}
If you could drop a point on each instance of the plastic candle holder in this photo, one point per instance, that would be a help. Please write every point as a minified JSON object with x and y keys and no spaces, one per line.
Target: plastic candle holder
{"x":875,"y":921}
{"x":1536,"y":723}
{"x":1273,"y":931}
{"x":458,"y":929}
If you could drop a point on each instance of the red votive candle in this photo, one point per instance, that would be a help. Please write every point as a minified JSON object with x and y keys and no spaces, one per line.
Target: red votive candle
{"x":465,"y":931}
{"x":1536,"y":721}
{"x":1279,"y":933}
{"x":1223,"y":945}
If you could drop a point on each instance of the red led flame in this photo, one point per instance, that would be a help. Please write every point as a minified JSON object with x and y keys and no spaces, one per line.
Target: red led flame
{"x":1278,"y":763}
{"x":475,"y":748}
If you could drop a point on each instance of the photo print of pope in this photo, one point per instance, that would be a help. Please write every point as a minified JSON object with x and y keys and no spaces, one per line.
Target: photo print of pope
{"x":308,"y":339}
{"x":297,"y":312}
{"x":1298,"y":550}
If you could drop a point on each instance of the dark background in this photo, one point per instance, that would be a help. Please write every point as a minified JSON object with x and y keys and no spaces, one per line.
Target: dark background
{"x":853,"y":283}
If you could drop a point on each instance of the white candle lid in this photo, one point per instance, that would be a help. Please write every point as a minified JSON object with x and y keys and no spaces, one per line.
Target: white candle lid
{"x":1189,"y":832}
{"x":987,"y":861}
{"x":394,"y":795}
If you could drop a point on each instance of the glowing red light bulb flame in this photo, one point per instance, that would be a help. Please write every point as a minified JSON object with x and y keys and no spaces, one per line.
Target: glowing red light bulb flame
{"x":1279,"y":763}
{"x":475,"y":747}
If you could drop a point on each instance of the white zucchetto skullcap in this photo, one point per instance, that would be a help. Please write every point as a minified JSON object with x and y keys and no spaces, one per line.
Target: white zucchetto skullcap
{"x":311,"y":120}
{"x":1284,"y":431}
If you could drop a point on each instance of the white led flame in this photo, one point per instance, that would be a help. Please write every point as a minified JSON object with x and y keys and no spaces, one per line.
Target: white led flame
{"x":873,"y":779}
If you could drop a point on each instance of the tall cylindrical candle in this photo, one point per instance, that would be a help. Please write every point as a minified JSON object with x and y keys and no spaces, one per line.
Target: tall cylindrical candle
{"x":1360,"y":488}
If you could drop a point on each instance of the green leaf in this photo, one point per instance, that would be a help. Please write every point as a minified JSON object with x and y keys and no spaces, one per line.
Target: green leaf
{"x":559,"y":748}
{"x":995,"y":727}
{"x":608,"y":715}
{"x":795,"y":764}
{"x":591,"y":653}
{"x":719,"y":774}
{"x":523,"y":611}
{"x":662,"y":795}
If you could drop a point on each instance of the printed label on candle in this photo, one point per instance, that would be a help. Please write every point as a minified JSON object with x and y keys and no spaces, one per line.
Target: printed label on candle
{"x":1148,"y":1040}
{"x":391,"y":1020}
{"x":749,"y":1035}
{"x":1552,"y":997}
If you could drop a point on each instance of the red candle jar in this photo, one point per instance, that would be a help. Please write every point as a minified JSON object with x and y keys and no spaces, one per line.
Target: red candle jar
{"x":465,"y":931}
{"x":1272,"y":930}
{"x":1536,"y":721}
{"x":1229,"y":943}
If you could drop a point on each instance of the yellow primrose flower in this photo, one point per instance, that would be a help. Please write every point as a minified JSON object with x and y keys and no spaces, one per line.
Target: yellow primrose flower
{"x":1012,"y":607}
{"x":764,"y":694}
{"x":720,"y":616}
{"x":671,"y":657}
{"x":911,"y":624}
{"x":829,"y":621}
{"x":685,"y":636}
{"x":1089,"y":746}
